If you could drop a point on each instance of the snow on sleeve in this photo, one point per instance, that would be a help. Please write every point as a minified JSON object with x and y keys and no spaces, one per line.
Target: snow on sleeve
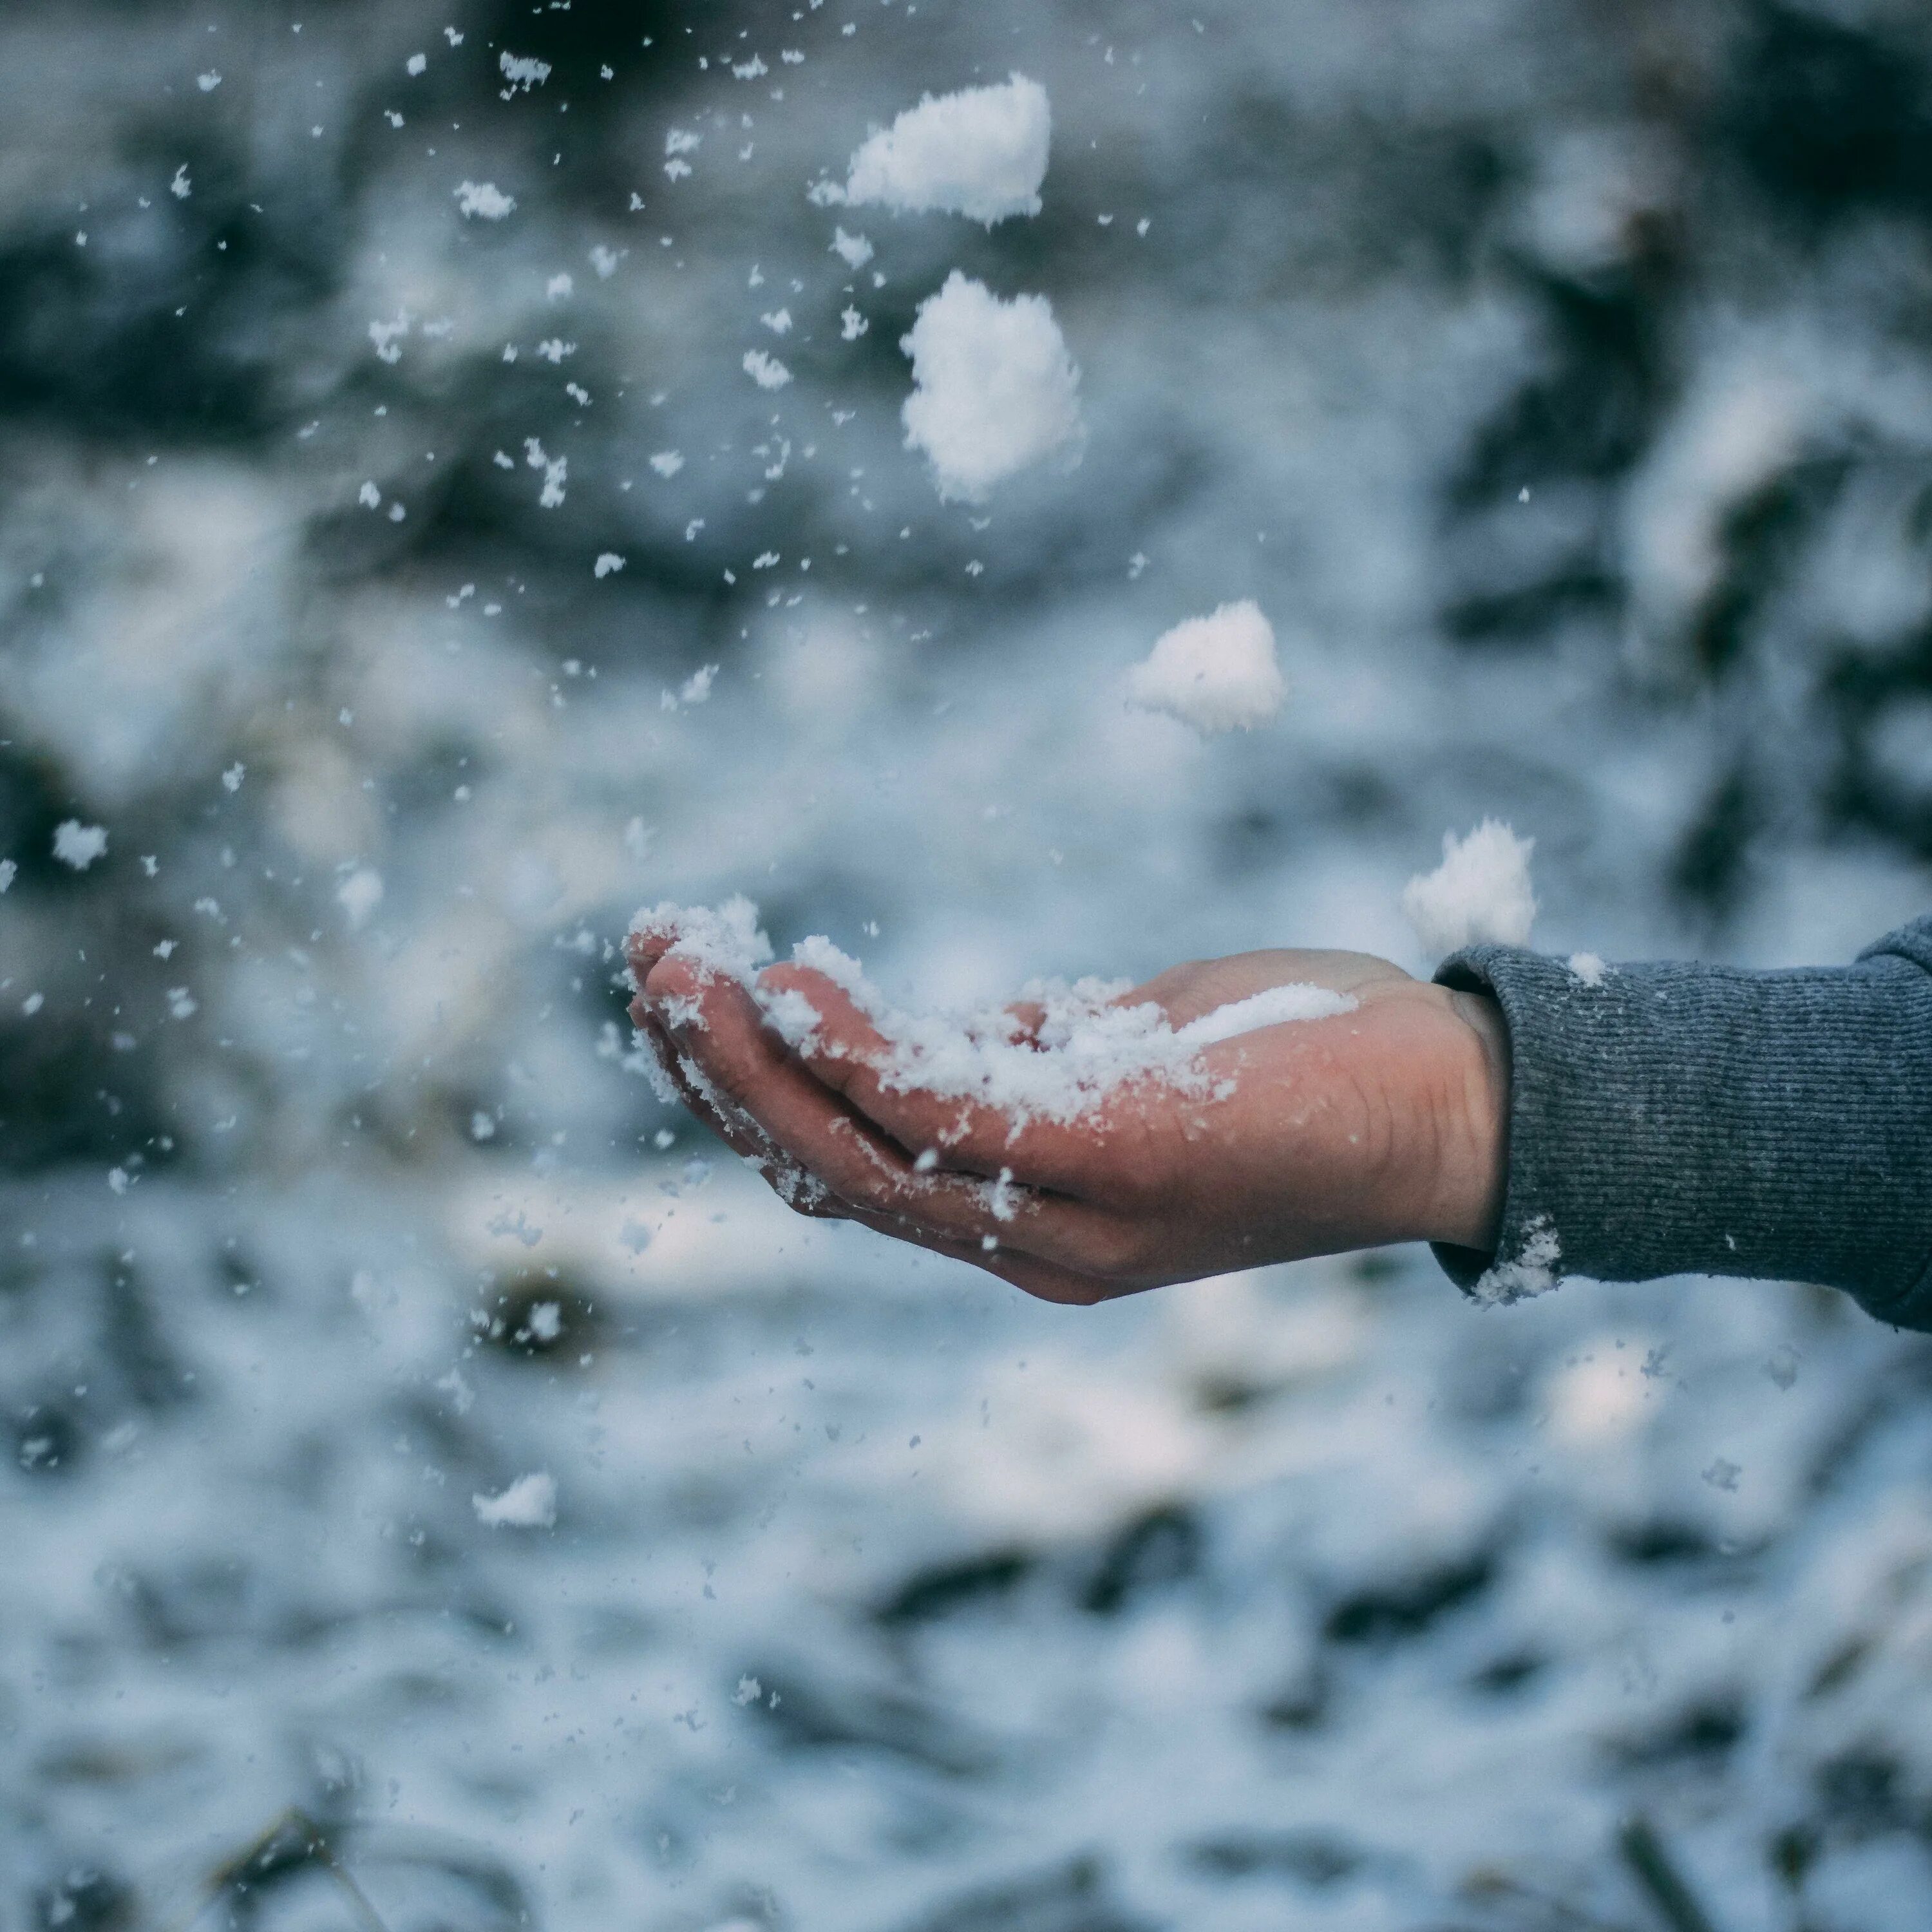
{"x":528,"y":1503}
{"x":982,"y":153}
{"x":994,"y":390}
{"x":1088,"y":1045}
{"x":484,"y":199}
{"x":1216,"y":673}
{"x":79,"y":845}
{"x":1480,"y":895}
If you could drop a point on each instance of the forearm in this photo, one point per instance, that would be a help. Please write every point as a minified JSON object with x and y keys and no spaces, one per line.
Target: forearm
{"x":1679,"y":1119}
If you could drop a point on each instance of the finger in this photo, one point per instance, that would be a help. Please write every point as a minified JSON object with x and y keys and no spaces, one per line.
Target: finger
{"x":793,"y":1184}
{"x":717,"y":1022}
{"x":847,"y":1052}
{"x":1043,"y":1280}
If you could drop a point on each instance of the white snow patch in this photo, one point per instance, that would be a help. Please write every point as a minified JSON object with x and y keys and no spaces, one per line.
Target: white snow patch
{"x":528,"y":1503}
{"x":995,"y":390}
{"x":1480,"y":895}
{"x":1589,"y":968}
{"x":1217,"y":673}
{"x":484,"y":199}
{"x":79,"y":845}
{"x":1531,"y":1273}
{"x":982,"y":153}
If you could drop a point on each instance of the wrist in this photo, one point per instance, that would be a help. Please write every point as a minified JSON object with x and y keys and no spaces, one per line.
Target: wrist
{"x":1472,"y":1133}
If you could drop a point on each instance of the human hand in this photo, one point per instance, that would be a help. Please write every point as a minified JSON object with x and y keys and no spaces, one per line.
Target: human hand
{"x":1382,"y":1124}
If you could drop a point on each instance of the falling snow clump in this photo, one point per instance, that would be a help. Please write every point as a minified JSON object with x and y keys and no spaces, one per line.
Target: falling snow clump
{"x":528,"y":1503}
{"x":994,"y":391}
{"x":1216,"y":674}
{"x":79,"y":845}
{"x":981,"y":153}
{"x":1479,"y":895}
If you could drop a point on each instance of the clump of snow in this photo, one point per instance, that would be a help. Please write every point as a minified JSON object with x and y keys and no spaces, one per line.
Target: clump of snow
{"x":767,"y":371}
{"x":854,"y":250}
{"x":484,"y":199}
{"x":524,"y":71}
{"x":1479,"y":895}
{"x":667,"y":462}
{"x":1589,"y":968}
{"x":982,"y":153}
{"x":359,"y":895}
{"x":608,"y":564}
{"x":1216,"y":673}
{"x":1531,"y":1272}
{"x":995,"y":390}
{"x":79,"y":845}
{"x":1088,"y":1045}
{"x":528,"y":1503}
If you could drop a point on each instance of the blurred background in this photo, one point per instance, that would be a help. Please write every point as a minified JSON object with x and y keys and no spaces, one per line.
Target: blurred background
{"x":407,"y":597}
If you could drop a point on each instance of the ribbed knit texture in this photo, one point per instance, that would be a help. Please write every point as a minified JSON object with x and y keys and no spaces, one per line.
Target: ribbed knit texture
{"x":1703,"y":1120}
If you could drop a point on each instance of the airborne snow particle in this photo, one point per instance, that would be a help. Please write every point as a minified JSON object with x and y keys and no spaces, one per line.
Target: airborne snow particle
{"x":778,"y":321}
{"x":9,"y":870}
{"x":231,"y":779}
{"x":853,"y":250}
{"x":767,"y":371}
{"x":852,"y":326}
{"x":528,"y":1503}
{"x":482,"y":1127}
{"x":982,"y":153}
{"x":208,"y":82}
{"x":415,"y":64}
{"x":605,"y":260}
{"x":560,"y":287}
{"x":484,"y":199}
{"x":181,"y":187}
{"x":1216,"y":673}
{"x":606,"y":564}
{"x":79,"y":845}
{"x":369,"y":497}
{"x":667,"y":462}
{"x":359,"y":895}
{"x":523,"y":71}
{"x":1480,"y":895}
{"x":995,"y":390}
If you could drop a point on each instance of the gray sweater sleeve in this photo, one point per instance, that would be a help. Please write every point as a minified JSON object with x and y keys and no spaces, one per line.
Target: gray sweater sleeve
{"x":1703,"y":1119}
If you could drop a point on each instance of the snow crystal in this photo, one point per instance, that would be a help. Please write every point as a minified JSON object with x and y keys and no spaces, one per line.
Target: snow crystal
{"x":1087,"y":1046}
{"x":1216,"y":673}
{"x":528,"y":1503}
{"x":605,"y":260}
{"x":853,"y":250}
{"x":525,"y":72}
{"x":667,"y":462}
{"x":231,"y":779}
{"x":852,"y":326}
{"x":484,"y":199}
{"x":369,"y":496}
{"x":181,"y":187}
{"x":8,"y":871}
{"x":79,"y":845}
{"x":608,"y":563}
{"x":982,"y":153}
{"x":995,"y":390}
{"x":1588,"y":968}
{"x":1480,"y":895}
{"x":359,"y":895}
{"x":208,"y":82}
{"x":767,"y":371}
{"x":778,"y":321}
{"x":546,"y":1321}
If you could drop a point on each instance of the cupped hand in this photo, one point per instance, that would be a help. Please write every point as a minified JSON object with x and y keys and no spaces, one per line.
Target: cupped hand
{"x":1384,"y":1124}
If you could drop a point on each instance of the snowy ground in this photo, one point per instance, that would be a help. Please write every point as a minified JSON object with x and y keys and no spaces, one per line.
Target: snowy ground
{"x":878,"y":1600}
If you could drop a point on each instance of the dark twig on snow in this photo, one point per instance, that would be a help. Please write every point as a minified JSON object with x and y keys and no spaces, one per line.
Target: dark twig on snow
{"x":1651,"y":1865}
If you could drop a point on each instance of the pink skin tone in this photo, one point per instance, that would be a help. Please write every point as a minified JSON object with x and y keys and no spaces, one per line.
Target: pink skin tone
{"x":1382,"y":1125}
